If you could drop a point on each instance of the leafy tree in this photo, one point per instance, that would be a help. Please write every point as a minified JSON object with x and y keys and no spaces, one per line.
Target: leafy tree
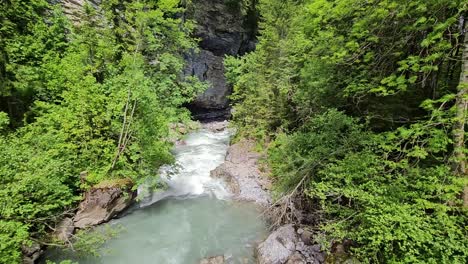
{"x":100,"y":97}
{"x":380,"y":168}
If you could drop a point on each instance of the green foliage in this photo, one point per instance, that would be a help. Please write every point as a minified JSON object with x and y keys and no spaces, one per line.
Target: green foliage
{"x":12,"y":235}
{"x":90,"y":242}
{"x":379,"y":168}
{"x":4,"y":120}
{"x":97,"y":97}
{"x":373,"y":194}
{"x":303,"y":153}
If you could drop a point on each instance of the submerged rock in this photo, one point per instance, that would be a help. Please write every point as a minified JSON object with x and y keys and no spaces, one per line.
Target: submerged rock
{"x":241,"y":173}
{"x":101,"y":204}
{"x":213,"y":260}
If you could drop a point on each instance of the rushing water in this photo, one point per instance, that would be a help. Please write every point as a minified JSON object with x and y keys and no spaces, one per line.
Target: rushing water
{"x":192,"y":220}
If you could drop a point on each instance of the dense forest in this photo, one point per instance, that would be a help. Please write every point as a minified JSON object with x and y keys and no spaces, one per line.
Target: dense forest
{"x":81,"y":97}
{"x":360,"y":107}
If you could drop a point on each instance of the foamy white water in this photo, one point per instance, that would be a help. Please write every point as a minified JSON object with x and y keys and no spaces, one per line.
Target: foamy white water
{"x":193,"y":219}
{"x":202,"y":152}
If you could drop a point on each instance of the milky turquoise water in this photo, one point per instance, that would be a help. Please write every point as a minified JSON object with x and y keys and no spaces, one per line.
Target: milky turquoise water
{"x":193,"y":219}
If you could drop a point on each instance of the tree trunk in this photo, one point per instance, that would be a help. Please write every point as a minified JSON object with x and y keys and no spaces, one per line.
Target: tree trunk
{"x":461,"y":116}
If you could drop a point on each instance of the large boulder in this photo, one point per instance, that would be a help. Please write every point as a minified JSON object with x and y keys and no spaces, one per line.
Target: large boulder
{"x":278,"y":247}
{"x":242,"y":176}
{"x":103,"y":203}
{"x":285,"y":246}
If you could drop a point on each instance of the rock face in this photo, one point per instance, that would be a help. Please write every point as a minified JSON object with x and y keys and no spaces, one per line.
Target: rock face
{"x":223,"y":30}
{"x":222,"y":27}
{"x":241,"y":173}
{"x":208,"y":67}
{"x":101,"y":204}
{"x":74,"y":8}
{"x":286,"y":246}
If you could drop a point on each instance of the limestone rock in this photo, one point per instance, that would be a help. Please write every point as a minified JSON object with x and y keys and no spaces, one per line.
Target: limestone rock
{"x":210,"y":68}
{"x":241,"y":173}
{"x":102,"y":204}
{"x":296,"y":258}
{"x":213,"y":260}
{"x":216,"y":126}
{"x":222,"y":29}
{"x":278,"y":247}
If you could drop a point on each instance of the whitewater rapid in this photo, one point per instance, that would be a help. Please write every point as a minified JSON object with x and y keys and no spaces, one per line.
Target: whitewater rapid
{"x":197,"y":155}
{"x":192,"y":219}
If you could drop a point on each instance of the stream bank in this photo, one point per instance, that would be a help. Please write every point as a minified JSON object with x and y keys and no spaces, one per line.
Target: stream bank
{"x":193,"y":219}
{"x":242,"y":173}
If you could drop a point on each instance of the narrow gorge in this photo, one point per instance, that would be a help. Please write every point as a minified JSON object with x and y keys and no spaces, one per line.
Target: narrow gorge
{"x":233,"y":131}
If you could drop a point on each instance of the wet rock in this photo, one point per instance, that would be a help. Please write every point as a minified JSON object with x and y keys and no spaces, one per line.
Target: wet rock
{"x":103,"y":203}
{"x":296,"y":258}
{"x":278,"y":247}
{"x":64,"y":230}
{"x":213,"y":260}
{"x":241,"y":173}
{"x":216,"y":126}
{"x":31,"y":253}
{"x":225,"y":173}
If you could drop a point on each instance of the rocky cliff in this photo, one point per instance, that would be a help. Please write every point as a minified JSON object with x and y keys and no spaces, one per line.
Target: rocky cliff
{"x":223,"y":29}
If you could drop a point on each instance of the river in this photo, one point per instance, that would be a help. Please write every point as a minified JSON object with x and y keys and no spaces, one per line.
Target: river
{"x":193,"y":219}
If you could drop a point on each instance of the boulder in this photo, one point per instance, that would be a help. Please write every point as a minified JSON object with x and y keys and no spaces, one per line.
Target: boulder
{"x":241,"y":174}
{"x":216,"y":126}
{"x":103,"y":203}
{"x":296,"y":258}
{"x":278,"y":247}
{"x":213,"y":260}
{"x":286,"y":246}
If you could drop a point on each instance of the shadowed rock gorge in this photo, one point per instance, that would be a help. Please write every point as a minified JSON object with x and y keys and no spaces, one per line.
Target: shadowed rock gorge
{"x":223,"y":28}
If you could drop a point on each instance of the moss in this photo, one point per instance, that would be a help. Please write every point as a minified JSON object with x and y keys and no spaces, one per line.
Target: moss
{"x":115,"y":183}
